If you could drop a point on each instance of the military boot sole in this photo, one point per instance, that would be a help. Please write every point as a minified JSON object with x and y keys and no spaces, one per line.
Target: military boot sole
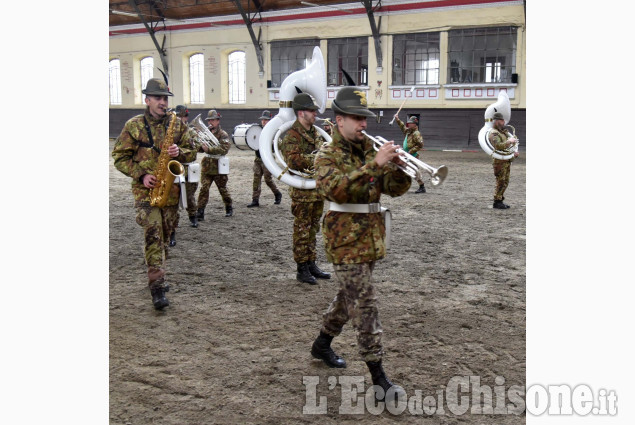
{"x":339,"y":362}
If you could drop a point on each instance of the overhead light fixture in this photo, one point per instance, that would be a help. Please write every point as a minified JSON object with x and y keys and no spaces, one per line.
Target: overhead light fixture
{"x":306,"y":3}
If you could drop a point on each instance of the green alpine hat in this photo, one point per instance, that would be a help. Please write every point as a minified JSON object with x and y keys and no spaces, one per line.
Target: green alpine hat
{"x":303,"y":102}
{"x":181,"y":111}
{"x":156,"y":87}
{"x":498,"y":116}
{"x":212,"y":115}
{"x":351,"y":101}
{"x":266,"y":115}
{"x":413,"y":120}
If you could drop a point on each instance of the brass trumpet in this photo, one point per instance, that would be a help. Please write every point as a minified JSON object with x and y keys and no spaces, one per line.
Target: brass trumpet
{"x":413,"y":165}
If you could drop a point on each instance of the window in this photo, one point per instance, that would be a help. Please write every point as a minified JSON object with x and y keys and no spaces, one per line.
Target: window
{"x":482,"y":55}
{"x":114,"y":77}
{"x":147,"y":72}
{"x":197,"y":84}
{"x":289,"y":56}
{"x":350,"y":54}
{"x":416,"y":59}
{"x":237,"y":77}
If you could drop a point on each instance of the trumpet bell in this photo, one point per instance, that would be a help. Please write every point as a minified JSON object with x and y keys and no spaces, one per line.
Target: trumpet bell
{"x":437,"y":177}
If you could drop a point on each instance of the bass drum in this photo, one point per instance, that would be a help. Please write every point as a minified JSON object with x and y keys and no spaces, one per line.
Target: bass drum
{"x":247,"y":136}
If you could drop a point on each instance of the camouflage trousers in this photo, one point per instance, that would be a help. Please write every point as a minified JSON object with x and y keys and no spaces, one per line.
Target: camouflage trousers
{"x":419,"y":177}
{"x":157,"y":225}
{"x":501,"y":172}
{"x":259,"y":171}
{"x":356,"y":300}
{"x":306,"y":225}
{"x":190,"y":194}
{"x":206,"y":184}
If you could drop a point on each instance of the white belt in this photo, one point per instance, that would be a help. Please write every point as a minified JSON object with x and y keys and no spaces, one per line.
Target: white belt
{"x":356,"y":208}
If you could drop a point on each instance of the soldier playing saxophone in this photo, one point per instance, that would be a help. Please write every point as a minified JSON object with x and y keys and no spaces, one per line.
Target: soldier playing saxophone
{"x":136,"y":154}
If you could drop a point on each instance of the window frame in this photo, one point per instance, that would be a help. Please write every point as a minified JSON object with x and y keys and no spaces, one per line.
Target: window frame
{"x":354,"y":60}
{"x":412,"y":56}
{"x":114,"y":86}
{"x":483,"y":55}
{"x":197,"y":79}
{"x":288,"y":56}
{"x":236,"y":69}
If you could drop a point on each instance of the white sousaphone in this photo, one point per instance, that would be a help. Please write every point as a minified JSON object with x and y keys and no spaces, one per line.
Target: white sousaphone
{"x":503,"y":106}
{"x":311,"y":80}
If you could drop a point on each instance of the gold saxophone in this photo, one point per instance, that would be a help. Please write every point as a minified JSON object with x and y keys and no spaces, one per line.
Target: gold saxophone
{"x":167,"y":170}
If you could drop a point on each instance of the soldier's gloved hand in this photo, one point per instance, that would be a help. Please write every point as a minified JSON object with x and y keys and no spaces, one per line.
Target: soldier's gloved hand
{"x":173,"y":151}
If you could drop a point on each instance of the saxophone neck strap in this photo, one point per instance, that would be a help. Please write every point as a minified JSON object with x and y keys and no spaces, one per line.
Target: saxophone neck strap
{"x":151,"y":144}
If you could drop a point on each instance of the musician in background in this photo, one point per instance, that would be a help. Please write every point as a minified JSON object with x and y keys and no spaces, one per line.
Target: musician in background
{"x":499,"y":140}
{"x":190,"y":170}
{"x":209,"y":164}
{"x":353,"y":176}
{"x":328,"y":127}
{"x":260,"y":170}
{"x":413,"y":143}
{"x":136,"y":154}
{"x":298,"y":149}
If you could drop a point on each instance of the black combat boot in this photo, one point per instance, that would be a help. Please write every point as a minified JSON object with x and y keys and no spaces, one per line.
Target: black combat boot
{"x":194,"y":220}
{"x":254,"y":203}
{"x":500,"y":205}
{"x":173,"y":238}
{"x":278,"y":196}
{"x":316,"y":272}
{"x":321,"y":349}
{"x":229,"y":211}
{"x":379,"y":378}
{"x":304,"y":275}
{"x":422,"y":189}
{"x":200,"y":214}
{"x":158,"y":296}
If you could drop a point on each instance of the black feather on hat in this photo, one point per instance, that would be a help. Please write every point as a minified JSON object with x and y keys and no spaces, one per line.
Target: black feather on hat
{"x":349,"y":80}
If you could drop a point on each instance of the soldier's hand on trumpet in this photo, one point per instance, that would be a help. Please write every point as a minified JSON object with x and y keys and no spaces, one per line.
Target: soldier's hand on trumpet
{"x":386,"y":153}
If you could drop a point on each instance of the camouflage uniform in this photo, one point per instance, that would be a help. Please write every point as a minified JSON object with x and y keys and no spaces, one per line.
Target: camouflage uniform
{"x":209,"y":171}
{"x":346,"y":173}
{"x":133,"y":156}
{"x":259,"y":171}
{"x":501,"y":166}
{"x":413,"y":143}
{"x":298,"y":147}
{"x":190,"y":188}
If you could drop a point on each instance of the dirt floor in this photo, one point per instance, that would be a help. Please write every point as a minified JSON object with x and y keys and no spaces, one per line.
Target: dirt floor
{"x":233,"y":346}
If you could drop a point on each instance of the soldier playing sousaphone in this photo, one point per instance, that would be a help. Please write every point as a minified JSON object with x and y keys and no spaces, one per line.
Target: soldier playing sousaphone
{"x":136,"y":154}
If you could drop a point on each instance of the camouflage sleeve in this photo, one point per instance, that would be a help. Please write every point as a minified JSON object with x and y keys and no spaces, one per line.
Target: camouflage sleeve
{"x":223,"y":147}
{"x":395,"y":182}
{"x":187,"y":145}
{"x":295,"y":158}
{"x":497,"y":140}
{"x":125,"y":149}
{"x":335,"y":185}
{"x":401,"y":125}
{"x":416,"y":143}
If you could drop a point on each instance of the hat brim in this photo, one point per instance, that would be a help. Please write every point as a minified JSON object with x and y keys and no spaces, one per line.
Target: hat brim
{"x":264,"y":118}
{"x":352,"y":110}
{"x":157,"y":93}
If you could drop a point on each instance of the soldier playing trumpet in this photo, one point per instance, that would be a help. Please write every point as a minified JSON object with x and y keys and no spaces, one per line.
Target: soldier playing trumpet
{"x":136,"y":154}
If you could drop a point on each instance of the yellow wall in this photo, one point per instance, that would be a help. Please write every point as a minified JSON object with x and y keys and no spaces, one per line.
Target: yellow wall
{"x":217,"y":43}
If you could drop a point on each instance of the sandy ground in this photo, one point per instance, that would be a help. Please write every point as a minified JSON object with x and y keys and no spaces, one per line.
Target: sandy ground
{"x":233,"y":346}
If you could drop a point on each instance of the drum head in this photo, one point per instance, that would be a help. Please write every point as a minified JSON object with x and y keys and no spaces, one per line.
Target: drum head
{"x":253,"y":136}
{"x":240,"y":136}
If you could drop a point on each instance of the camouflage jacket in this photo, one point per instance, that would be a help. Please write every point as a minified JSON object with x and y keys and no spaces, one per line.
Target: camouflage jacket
{"x":298,"y":149}
{"x":498,"y":140}
{"x":134,"y":156}
{"x":414,"y":141}
{"x":347,"y":173}
{"x":209,"y":165}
